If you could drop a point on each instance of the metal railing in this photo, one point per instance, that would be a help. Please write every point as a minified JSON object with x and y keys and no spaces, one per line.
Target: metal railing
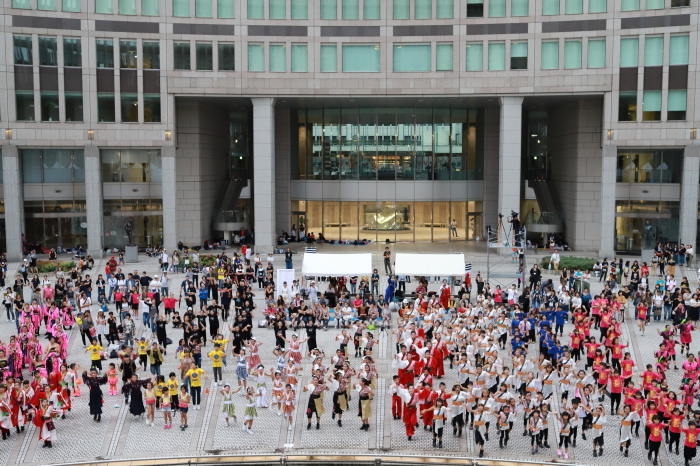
{"x":543,"y":218}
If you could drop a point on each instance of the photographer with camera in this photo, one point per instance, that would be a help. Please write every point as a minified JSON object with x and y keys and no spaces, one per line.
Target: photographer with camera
{"x":515,"y":221}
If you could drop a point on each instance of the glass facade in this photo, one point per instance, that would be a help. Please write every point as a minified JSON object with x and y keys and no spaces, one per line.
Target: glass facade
{"x":389,"y":144}
{"x":390,"y":220}
{"x":641,"y":224}
{"x":145,"y":215}
{"x":56,"y":222}
{"x":131,"y":166}
{"x":649,"y":166}
{"x":53,"y":166}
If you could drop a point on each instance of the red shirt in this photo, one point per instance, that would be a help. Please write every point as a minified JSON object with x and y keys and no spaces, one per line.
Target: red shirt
{"x":656,"y":431}
{"x":676,"y":424}
{"x":691,"y":437}
{"x":641,"y":312}
{"x":616,"y":383}
{"x":170,"y":303}
{"x":627,"y":365}
{"x":635,"y":404}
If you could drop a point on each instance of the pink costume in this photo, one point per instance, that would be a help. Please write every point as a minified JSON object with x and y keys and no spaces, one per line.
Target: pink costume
{"x":294,"y":352}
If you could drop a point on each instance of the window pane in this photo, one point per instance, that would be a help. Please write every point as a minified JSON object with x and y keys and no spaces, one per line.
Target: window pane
{"x":596,"y":53}
{"x":151,"y":55}
{"x":497,"y":8}
{"x":151,"y":108}
{"x":74,"y":106}
{"x":361,"y":58}
{"x":572,"y":54}
{"x":300,"y":58}
{"x":104,"y":7}
{"x":550,"y":7}
{"x":629,"y":52}
{"x":627,"y":106}
{"x":651,"y":106}
{"x":351,"y":9}
{"x":475,"y":57}
{"x":256,"y":9}
{"x":679,"y":3}
{"x":256,"y":57}
{"x":653,"y":51}
{"x":574,"y":7}
{"x":57,"y":166}
{"x":46,"y":5}
{"x":497,"y":56}
{"x":329,"y":58}
{"x":475,"y":8}
{"x":329,"y":9}
{"x":519,"y":8}
{"x":48,"y":51}
{"x":278,"y":58}
{"x":24,"y":101}
{"x":630,"y":5}
{"x":550,"y":55}
{"x":181,"y":55}
{"x":371,"y":9}
{"x":105,"y":107}
{"x":49,"y":106}
{"x":25,"y":4}
{"x":226,"y":57}
{"x":597,"y":6}
{"x":445,"y":9}
{"x":150,"y":7}
{"x":518,"y":55}
{"x":203,"y":9}
{"x":654,"y":4}
{"x":402,"y":9}
{"x":205,"y":59}
{"x":424,"y":9}
{"x":300,"y":9}
{"x":678,"y":50}
{"x":181,"y":8}
{"x":23,"y":50}
{"x":412,"y":57}
{"x":127,"y":54}
{"x":31,"y":166}
{"x":444,"y":57}
{"x":278,"y":9}
{"x":105,"y":53}
{"x":130,"y":108}
{"x":127,"y":7}
{"x":677,"y":103}
{"x":71,"y":5}
{"x":225,"y":9}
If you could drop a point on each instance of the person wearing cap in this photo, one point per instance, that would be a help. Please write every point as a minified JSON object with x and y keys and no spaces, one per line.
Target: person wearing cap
{"x":217,"y":356}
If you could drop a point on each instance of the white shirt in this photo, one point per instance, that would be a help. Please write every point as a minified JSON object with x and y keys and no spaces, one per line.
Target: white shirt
{"x":164,"y":257}
{"x":555,"y":257}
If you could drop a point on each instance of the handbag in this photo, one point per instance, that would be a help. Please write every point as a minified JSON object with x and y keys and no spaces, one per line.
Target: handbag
{"x":50,"y":426}
{"x":92,"y":331}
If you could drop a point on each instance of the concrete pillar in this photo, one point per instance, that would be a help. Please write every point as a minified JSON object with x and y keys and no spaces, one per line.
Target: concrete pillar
{"x":491,"y":131}
{"x":689,"y":196}
{"x":283,"y":170}
{"x":264,"y":173}
{"x":169,"y":188}
{"x":509,"y":142}
{"x":607,"y":202}
{"x":93,"y":200}
{"x":14,"y":201}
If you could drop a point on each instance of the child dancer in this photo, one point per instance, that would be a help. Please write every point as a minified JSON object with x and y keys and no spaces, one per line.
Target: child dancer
{"x":113,"y":379}
{"x":227,"y":406}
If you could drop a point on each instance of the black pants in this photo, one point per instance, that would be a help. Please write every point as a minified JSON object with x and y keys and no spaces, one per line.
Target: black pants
{"x":675,"y":438}
{"x":615,"y":399}
{"x":217,"y":374}
{"x":143,"y":360}
{"x":564,"y":441}
{"x":437,"y":432}
{"x":97,"y":363}
{"x":505,"y":436}
{"x":535,"y":438}
{"x":689,"y":452}
{"x":196,"y":393}
{"x":654,"y":448}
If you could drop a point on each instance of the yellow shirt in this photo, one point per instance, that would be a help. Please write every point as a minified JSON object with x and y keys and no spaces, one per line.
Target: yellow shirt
{"x":195,"y":376}
{"x":95,"y":352}
{"x":222,"y":274}
{"x":221,"y":343}
{"x":216,"y":358}
{"x":143,"y":347}
{"x":173,"y":386}
{"x":159,"y":389}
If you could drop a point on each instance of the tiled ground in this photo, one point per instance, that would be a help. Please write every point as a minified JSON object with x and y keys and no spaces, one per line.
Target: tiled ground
{"x":119,"y":435}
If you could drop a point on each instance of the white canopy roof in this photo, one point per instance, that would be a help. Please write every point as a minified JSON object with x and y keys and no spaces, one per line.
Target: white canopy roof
{"x":337,"y":264}
{"x":429,"y":264}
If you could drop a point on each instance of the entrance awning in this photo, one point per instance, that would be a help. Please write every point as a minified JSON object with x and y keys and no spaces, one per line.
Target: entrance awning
{"x":429,"y":264}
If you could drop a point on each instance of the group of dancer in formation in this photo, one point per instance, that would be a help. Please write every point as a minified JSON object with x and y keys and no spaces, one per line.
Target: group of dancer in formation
{"x":541,"y":361}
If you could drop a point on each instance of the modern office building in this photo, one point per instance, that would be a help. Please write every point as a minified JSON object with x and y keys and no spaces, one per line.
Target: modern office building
{"x":376,"y":119}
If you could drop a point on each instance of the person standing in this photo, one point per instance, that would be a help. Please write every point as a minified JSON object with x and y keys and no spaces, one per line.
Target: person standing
{"x":554,"y":260}
{"x":366,"y":395}
{"x":453,"y":228}
{"x":387,"y":261}
{"x":289,"y":264}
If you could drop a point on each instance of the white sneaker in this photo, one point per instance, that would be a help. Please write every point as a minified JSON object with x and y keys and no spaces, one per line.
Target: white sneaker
{"x":250,"y":432}
{"x":290,"y":427}
{"x":279,"y":413}
{"x":244,"y":427}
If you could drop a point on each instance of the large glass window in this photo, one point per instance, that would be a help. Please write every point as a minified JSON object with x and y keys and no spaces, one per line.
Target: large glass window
{"x":49,"y":5}
{"x":445,"y":9}
{"x":651,"y":106}
{"x":443,"y":60}
{"x":497,"y":56}
{"x":424,"y":9}
{"x":677,"y":102}
{"x":105,"y":53}
{"x":145,"y":216}
{"x":572,"y":54}
{"x":630,"y":5}
{"x":23,"y":50}
{"x":361,"y":58}
{"x":72,"y":52}
{"x":653,"y":51}
{"x":475,"y":57}
{"x":351,"y":9}
{"x":278,"y":58}
{"x":127,"y":7}
{"x":24,"y":4}
{"x":329,"y":58}
{"x":49,"y":106}
{"x":497,"y":8}
{"x":48,"y":51}
{"x":518,"y":55}
{"x":227,"y":53}
{"x":256,"y":57}
{"x":150,"y":7}
{"x":151,"y":108}
{"x":402,"y":9}
{"x":550,"y":7}
{"x":475,"y":8}
{"x":519,"y":7}
{"x":642,"y":224}
{"x":53,"y":166}
{"x":596,"y":53}
{"x":654,"y":4}
{"x":181,"y":8}
{"x":629,"y":52}
{"x":104,"y":7}
{"x":649,"y":166}
{"x":278,"y":9}
{"x":151,"y":55}
{"x":256,"y":9}
{"x":24,"y":105}
{"x":130,"y":108}
{"x":678,"y":50}
{"x":74,"y":106}
{"x":131,"y":166}
{"x":412,"y":57}
{"x":300,"y":58}
{"x":127,"y":54}
{"x":225,"y":9}
{"x":597,"y":6}
{"x":205,"y":58}
{"x":371,"y":9}
{"x":203,"y":9}
{"x":679,"y":3}
{"x":181,"y":55}
{"x":627,"y":110}
{"x":573,"y":7}
{"x":329,"y":9}
{"x":300,"y":9}
{"x":105,"y":107}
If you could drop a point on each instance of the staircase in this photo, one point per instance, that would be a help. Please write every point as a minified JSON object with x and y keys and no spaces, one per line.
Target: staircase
{"x":229,"y":217}
{"x":550,"y":219}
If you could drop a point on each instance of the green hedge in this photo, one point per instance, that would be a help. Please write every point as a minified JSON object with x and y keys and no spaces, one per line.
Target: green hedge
{"x":204,"y":260}
{"x":48,"y":267}
{"x":571,"y":262}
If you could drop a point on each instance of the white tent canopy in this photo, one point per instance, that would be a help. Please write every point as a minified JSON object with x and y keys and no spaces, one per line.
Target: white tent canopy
{"x":429,"y":264}
{"x":337,"y":264}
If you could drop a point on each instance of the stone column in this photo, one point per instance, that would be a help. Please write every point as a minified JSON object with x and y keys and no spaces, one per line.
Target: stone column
{"x":689,"y":196}
{"x":283,"y":170}
{"x":509,"y":156}
{"x":14,"y":201}
{"x":264,"y":173}
{"x":607,"y":202}
{"x":93,"y":200}
{"x":169,"y":189}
